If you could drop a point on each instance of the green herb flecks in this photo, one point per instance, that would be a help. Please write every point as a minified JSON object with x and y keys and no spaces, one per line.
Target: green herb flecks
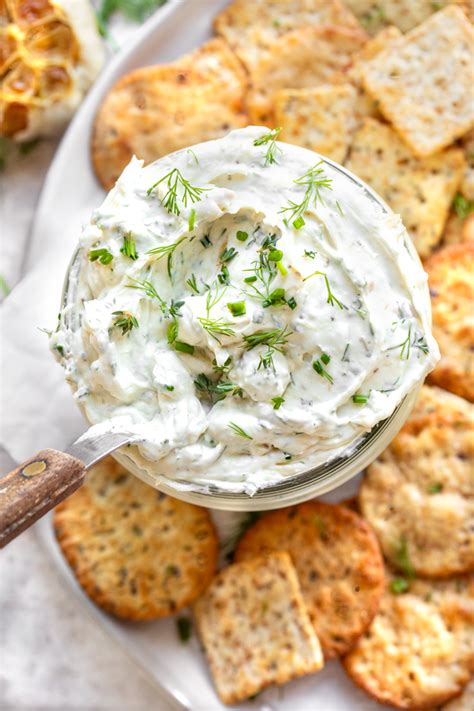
{"x":315,"y":181}
{"x":167,"y":250}
{"x":269,"y":140}
{"x":318,"y":366}
{"x":331,"y":298}
{"x":4,"y":286}
{"x":179,"y":191}
{"x":359,"y":399}
{"x":191,"y":282}
{"x":192,"y":220}
{"x":237,"y":308}
{"x":135,"y":10}
{"x":399,"y":586}
{"x":125,"y":321}
{"x":242,"y":236}
{"x":401,"y":558}
{"x":462,"y":206}
{"x":310,"y":254}
{"x":129,"y":248}
{"x":275,"y":340}
{"x":238,"y":430}
{"x":184,"y":627}
{"x":436,"y":488}
{"x":277,"y":402}
{"x":405,"y":346}
{"x":345,"y":356}
{"x":228,"y":254}
{"x":216,"y":390}
{"x":170,"y":310}
{"x":101,"y":255}
{"x":27,"y":147}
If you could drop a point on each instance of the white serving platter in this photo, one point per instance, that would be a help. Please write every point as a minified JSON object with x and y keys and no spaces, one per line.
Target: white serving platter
{"x":70,"y":193}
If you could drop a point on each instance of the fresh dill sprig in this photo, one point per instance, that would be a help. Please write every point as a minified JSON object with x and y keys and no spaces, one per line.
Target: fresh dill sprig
{"x":167,"y":250}
{"x":238,"y":430}
{"x":216,"y":390}
{"x":192,"y":153}
{"x":179,"y":190}
{"x":191,"y":282}
{"x":170,"y":310}
{"x":332,"y":299}
{"x":421,"y":344}
{"x":216,"y":327}
{"x":125,"y":320}
{"x":269,"y":140}
{"x":228,"y":254}
{"x":274,"y":340}
{"x":315,"y":181}
{"x":406,"y":345}
{"x":129,"y":248}
{"x":102,"y":255}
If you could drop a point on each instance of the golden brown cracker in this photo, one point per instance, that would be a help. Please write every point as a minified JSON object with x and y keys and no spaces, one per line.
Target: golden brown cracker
{"x":451,"y":285}
{"x":419,"y":494}
{"x":153,"y":111}
{"x":136,"y":552}
{"x":423,"y":84}
{"x":338,"y":562}
{"x":418,"y":651}
{"x":255,"y":628}
{"x":421,"y":190}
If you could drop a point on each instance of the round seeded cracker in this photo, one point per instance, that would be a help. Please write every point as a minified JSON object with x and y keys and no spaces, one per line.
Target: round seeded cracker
{"x":452,"y":296}
{"x":419,"y":494}
{"x":338,"y":561}
{"x":418,"y":651}
{"x":136,"y":552}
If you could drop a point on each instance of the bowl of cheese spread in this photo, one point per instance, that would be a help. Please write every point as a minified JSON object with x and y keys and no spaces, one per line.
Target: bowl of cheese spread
{"x":254,"y":313}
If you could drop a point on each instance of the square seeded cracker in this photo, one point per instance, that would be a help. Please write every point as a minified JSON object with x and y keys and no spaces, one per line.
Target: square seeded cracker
{"x":321,"y":119}
{"x":404,"y":14}
{"x":424,"y":82}
{"x":421,"y":190}
{"x":255,"y":627}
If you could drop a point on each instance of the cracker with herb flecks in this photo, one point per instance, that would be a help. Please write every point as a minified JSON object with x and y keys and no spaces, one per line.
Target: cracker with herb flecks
{"x":153,"y":111}
{"x":321,"y":119}
{"x":404,"y":14}
{"x":464,"y":702}
{"x":136,"y":552}
{"x":451,"y":285}
{"x":418,"y":651}
{"x":424,"y":82}
{"x":365,"y":105}
{"x":338,"y":562}
{"x":255,"y":628}
{"x":421,"y":190}
{"x":298,"y":60}
{"x":419,"y":494}
{"x":251,"y":27}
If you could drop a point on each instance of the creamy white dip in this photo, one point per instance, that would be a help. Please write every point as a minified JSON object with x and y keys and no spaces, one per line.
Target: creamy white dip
{"x":271,"y":341}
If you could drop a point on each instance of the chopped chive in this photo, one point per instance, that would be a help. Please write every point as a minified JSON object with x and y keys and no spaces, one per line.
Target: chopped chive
{"x":250,"y":279}
{"x":242,"y":236}
{"x":184,"y":347}
{"x":275,"y":298}
{"x":277,"y":402}
{"x":192,"y":220}
{"x":281,"y":268}
{"x":275,"y":255}
{"x":170,"y":388}
{"x":102,"y":255}
{"x":360,"y":399}
{"x":292,"y":303}
{"x":346,"y":353}
{"x":129,"y":248}
{"x":224,"y":276}
{"x":298,"y":223}
{"x":237,"y":308}
{"x":325,"y":358}
{"x":309,"y":253}
{"x":321,"y":370}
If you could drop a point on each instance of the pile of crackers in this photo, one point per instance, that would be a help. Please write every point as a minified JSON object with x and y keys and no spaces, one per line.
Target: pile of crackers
{"x":384,"y":582}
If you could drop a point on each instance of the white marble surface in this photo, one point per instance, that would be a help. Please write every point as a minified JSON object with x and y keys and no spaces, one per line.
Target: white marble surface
{"x":52,"y":656}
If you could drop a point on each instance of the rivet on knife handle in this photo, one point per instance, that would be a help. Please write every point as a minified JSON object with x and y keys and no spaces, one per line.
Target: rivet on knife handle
{"x":35,"y":487}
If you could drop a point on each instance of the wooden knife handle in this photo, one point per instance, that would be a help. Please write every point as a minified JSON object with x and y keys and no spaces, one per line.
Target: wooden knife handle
{"x":35,"y":487}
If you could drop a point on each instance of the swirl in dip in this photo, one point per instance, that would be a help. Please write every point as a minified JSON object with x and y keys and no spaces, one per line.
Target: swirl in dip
{"x":247,"y":310}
